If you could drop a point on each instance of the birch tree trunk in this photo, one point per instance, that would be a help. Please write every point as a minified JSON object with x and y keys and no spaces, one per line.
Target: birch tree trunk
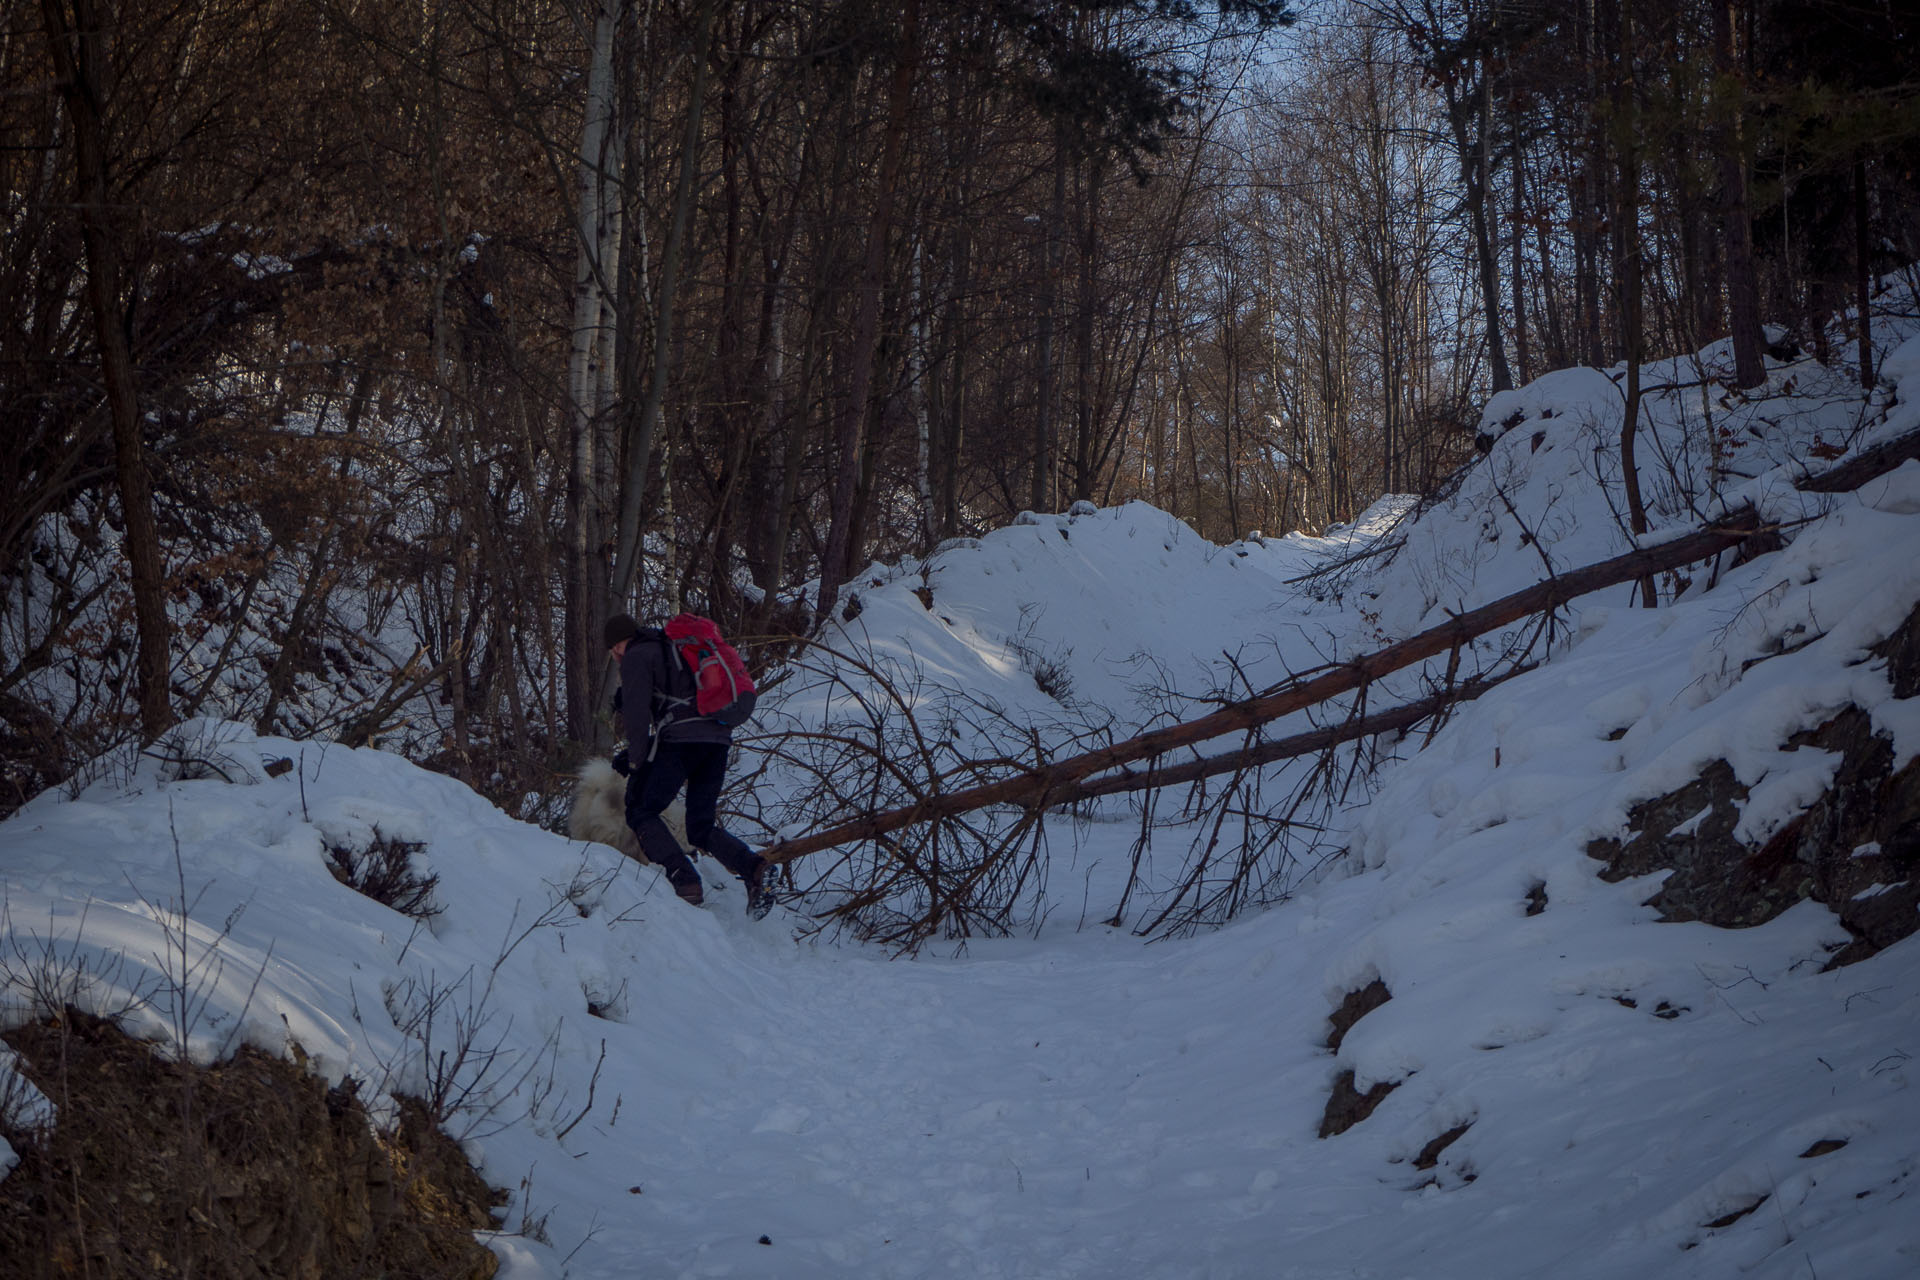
{"x":1480,"y":180}
{"x":922,"y":406}
{"x":1516,"y":284}
{"x":1863,"y":274}
{"x":587,"y":604}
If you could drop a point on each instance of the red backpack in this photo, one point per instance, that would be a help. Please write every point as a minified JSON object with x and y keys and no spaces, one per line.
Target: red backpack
{"x":722,"y":689}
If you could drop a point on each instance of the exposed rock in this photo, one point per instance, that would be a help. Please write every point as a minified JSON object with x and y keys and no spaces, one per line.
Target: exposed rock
{"x":1430,"y":1154}
{"x":1729,"y":1218}
{"x":1856,"y":848}
{"x":1862,"y":838}
{"x":1357,"y":1005}
{"x":1715,"y":876}
{"x":1347,"y":1106}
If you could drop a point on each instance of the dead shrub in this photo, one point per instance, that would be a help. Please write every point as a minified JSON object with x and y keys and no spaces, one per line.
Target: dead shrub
{"x":384,"y":872}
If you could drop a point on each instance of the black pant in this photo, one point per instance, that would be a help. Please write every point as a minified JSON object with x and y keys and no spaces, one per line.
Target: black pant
{"x":701,"y":767}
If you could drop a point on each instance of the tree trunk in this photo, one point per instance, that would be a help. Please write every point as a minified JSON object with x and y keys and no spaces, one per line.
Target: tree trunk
{"x":1522,"y":344}
{"x":1743,"y":288}
{"x":587,"y":605}
{"x":79,"y":53}
{"x":920,"y":379}
{"x":639,"y":443}
{"x":960,"y":349}
{"x":1039,"y":496}
{"x":1479,"y":192}
{"x":851,"y":431}
{"x":1629,"y":271}
{"x":1589,"y":198}
{"x":1863,"y":273}
{"x":1124,"y":780}
{"x":1086,"y":417}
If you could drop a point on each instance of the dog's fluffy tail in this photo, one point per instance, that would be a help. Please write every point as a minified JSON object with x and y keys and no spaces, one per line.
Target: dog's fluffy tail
{"x":600,"y":811}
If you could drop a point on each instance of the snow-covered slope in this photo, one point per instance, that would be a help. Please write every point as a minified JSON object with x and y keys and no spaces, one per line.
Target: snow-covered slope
{"x":1630,"y":1097}
{"x":1123,"y":614}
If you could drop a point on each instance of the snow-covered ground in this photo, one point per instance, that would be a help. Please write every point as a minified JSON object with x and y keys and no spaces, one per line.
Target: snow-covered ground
{"x":674,"y":1091}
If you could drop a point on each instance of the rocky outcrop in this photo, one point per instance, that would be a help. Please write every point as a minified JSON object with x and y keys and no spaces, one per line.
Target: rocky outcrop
{"x":1346,"y":1105}
{"x":1856,"y":848}
{"x":1355,"y":1005}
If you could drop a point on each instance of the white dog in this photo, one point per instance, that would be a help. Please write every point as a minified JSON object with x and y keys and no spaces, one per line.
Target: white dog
{"x":600,"y":811}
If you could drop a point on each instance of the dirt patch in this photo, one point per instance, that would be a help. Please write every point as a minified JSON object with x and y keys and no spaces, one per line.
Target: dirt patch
{"x":1357,"y":1005}
{"x":250,"y":1170}
{"x":1347,"y":1106}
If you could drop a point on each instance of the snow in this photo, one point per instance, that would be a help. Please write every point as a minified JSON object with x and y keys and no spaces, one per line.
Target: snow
{"x":1072,"y":1101}
{"x":22,"y":1103}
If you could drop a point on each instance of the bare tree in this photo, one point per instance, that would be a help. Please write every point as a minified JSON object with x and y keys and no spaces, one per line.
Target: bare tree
{"x":78,"y":42}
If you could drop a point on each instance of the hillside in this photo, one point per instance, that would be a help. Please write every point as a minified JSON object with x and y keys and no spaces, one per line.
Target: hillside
{"x":1611,"y":973}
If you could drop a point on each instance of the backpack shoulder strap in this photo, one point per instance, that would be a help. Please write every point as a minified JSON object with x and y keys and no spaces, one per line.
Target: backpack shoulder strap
{"x":677,"y":689}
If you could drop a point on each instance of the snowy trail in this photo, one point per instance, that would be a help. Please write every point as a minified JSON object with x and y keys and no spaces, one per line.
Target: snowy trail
{"x":910,"y":1118}
{"x":1100,"y":1109}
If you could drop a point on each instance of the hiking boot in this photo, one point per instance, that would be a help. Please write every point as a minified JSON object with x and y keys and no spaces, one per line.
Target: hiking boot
{"x":759,"y":892}
{"x":686,"y":881}
{"x":680,"y":871}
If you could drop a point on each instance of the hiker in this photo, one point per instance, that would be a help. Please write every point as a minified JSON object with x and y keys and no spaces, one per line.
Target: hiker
{"x":670,"y":745}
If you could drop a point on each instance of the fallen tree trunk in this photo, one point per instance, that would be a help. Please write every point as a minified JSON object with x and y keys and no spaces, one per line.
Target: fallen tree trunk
{"x":1045,"y":786}
{"x":1864,"y":466}
{"x":1300,"y":744}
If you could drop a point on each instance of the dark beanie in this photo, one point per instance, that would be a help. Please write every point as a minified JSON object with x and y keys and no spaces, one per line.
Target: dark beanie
{"x":620,"y":626}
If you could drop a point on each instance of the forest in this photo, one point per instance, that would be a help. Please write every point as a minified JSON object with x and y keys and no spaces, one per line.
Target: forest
{"x":358,"y":359}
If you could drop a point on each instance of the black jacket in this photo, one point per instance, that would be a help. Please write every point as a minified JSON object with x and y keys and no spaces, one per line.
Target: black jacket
{"x":652,"y":677}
